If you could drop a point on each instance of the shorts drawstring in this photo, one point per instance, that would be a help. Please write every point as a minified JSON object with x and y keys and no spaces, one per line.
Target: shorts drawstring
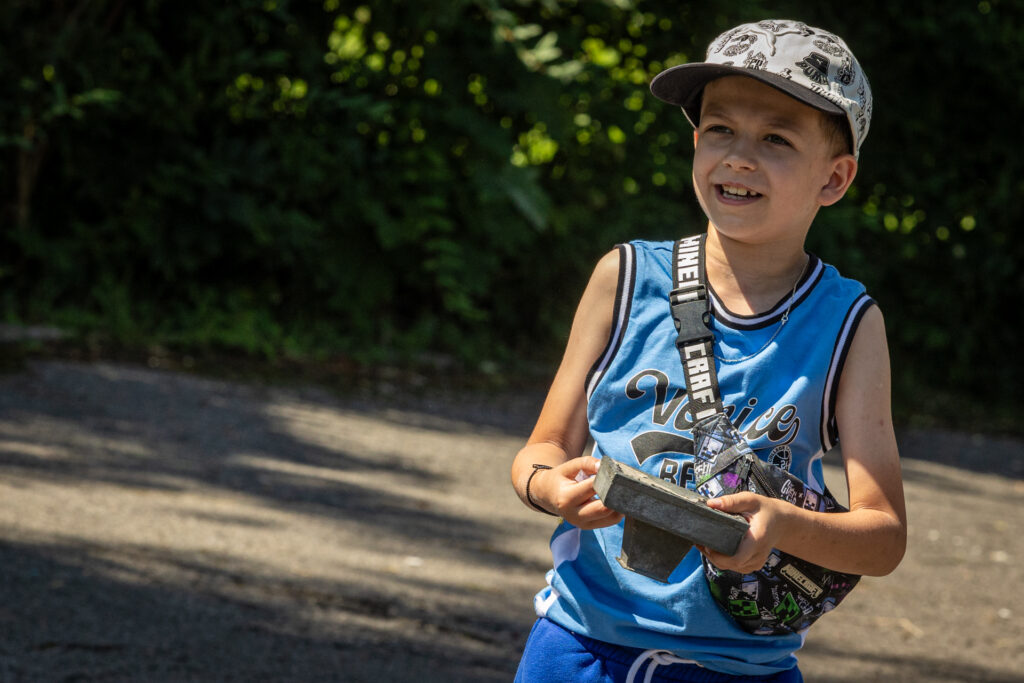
{"x":657,"y":658}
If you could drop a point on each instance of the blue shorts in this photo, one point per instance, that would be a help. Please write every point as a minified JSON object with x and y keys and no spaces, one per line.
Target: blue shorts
{"x":557,"y":655}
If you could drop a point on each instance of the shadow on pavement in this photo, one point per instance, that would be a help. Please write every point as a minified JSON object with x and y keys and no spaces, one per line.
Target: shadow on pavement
{"x":81,"y":606}
{"x":63,"y":619}
{"x":150,"y":430}
{"x":82,"y":609}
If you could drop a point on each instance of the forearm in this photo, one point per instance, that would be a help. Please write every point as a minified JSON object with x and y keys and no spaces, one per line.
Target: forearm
{"x":863,"y":541}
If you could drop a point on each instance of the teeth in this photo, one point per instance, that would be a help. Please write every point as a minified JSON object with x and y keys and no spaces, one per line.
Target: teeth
{"x":738,"y":191}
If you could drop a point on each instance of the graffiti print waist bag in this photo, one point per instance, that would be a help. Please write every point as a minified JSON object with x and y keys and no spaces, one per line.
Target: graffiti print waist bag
{"x":787,"y":594}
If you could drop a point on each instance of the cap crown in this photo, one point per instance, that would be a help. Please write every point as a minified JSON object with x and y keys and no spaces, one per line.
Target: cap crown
{"x":807,"y":63}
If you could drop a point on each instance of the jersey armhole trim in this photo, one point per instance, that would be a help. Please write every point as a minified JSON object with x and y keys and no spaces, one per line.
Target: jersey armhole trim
{"x":620,"y":315}
{"x":829,"y":425}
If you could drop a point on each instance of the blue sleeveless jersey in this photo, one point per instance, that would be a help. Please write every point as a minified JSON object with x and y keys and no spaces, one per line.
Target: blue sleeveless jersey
{"x":779,"y":387}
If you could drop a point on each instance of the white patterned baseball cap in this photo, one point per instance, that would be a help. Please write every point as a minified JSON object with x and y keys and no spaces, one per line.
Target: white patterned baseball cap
{"x":813,"y":66}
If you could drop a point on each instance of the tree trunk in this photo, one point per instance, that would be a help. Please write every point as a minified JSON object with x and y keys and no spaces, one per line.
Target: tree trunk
{"x":30,"y":161}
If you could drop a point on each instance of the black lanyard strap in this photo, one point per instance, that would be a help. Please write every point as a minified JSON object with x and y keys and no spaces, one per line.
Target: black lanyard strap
{"x":691,"y":311}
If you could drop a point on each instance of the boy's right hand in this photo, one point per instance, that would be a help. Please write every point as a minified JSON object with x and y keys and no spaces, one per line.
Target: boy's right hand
{"x":565,"y":492}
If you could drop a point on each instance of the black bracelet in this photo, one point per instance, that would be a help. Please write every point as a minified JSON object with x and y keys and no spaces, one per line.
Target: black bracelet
{"x":536,"y":468}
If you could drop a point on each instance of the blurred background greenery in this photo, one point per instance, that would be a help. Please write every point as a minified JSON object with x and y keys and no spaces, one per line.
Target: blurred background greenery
{"x":375,"y":183}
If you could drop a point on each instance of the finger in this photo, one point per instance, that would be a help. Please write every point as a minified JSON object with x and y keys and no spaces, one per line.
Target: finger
{"x":594,"y":515}
{"x":610,"y":519}
{"x":581,"y":490}
{"x":594,"y":508}
{"x":721,"y":560}
{"x":709,"y":553}
{"x":735,"y":503}
{"x":578,"y":493}
{"x":587,"y":464}
{"x":714,"y":558}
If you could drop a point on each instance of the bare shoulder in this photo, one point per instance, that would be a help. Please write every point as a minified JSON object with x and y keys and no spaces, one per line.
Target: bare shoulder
{"x":605,"y":277}
{"x":593,"y":321}
{"x":865,"y":382}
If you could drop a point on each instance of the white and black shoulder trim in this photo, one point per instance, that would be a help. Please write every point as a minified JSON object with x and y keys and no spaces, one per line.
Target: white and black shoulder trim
{"x":815,"y":271}
{"x":620,"y":315}
{"x":829,"y":426}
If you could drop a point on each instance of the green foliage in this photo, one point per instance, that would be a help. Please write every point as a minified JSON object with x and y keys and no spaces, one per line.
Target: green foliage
{"x":930,"y":228}
{"x":313,"y":179}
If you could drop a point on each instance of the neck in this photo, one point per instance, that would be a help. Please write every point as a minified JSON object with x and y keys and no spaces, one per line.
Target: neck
{"x":750,"y":278}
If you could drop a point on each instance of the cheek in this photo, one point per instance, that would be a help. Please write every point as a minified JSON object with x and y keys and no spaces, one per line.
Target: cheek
{"x":701,"y":199}
{"x":701,"y":167}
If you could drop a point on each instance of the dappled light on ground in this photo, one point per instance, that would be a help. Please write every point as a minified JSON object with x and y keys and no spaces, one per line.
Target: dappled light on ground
{"x":156,"y":524}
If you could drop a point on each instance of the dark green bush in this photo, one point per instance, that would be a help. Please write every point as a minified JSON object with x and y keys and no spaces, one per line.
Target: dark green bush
{"x":279,"y":177}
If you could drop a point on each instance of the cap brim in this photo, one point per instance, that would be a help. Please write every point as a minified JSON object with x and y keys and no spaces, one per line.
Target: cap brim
{"x":683,"y":86}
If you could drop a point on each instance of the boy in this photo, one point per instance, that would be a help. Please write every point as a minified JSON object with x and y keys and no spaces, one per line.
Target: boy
{"x":779,"y":110}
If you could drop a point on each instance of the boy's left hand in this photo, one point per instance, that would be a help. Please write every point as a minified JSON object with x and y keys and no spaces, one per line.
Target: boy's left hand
{"x":764,"y":515}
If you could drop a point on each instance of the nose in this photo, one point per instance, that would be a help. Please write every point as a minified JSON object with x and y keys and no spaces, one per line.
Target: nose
{"x":740,"y":155}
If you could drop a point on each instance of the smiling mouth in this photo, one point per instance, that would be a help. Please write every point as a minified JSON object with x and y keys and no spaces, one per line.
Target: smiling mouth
{"x":736,"y":193}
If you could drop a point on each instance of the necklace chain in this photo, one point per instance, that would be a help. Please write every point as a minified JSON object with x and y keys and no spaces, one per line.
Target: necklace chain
{"x":782,"y":321}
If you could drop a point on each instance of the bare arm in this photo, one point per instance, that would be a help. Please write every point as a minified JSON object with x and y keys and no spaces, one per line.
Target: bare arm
{"x":561,"y":431}
{"x":869,"y":539}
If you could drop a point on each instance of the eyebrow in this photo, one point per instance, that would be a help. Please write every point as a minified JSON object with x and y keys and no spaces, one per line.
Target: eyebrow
{"x":784,"y":124}
{"x":713,"y":111}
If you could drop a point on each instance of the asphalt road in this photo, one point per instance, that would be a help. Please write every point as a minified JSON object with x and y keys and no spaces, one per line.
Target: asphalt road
{"x":159,"y":526}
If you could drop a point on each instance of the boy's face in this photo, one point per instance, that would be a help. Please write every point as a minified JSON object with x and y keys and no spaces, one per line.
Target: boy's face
{"x":762,"y":164}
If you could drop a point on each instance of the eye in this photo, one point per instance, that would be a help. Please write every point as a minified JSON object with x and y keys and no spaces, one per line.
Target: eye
{"x":777,"y":140}
{"x":718,"y":128}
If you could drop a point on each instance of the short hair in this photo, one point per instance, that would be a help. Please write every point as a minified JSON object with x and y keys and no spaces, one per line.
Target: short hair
{"x":837,"y":133}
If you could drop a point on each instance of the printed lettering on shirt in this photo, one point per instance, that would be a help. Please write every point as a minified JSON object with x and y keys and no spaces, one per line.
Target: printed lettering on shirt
{"x":779,"y":424}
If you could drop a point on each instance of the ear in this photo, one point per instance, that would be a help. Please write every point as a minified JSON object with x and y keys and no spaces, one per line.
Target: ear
{"x":695,"y":139}
{"x":844,"y":170}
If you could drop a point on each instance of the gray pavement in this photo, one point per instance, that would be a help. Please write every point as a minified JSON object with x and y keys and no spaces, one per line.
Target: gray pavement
{"x":159,"y":526}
